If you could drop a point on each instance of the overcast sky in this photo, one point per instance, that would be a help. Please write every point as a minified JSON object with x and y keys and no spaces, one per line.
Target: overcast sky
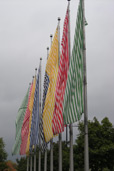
{"x":25,"y":28}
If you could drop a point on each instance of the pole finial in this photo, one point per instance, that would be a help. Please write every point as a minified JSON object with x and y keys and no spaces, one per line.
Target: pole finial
{"x":35,"y":71}
{"x":68,"y":0}
{"x":33,"y":77}
{"x":59,"y":18}
{"x":47,"y":48}
{"x":51,"y":35}
{"x":40,"y":58}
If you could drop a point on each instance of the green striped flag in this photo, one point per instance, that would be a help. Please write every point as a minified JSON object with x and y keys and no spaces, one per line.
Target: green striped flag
{"x":73,"y":106}
{"x":18,"y":123}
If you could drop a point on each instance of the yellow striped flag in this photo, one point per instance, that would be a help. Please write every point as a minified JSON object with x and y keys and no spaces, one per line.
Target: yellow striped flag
{"x":30,"y":108}
{"x":51,"y":71}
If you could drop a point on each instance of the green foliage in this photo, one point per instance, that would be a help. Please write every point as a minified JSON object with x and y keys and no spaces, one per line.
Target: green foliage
{"x":3,"y":154}
{"x":21,"y":164}
{"x":3,"y":166}
{"x":101,"y":145}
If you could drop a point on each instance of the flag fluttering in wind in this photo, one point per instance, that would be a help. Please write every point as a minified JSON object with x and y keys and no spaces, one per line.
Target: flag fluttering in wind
{"x":73,"y":100}
{"x":25,"y":126}
{"x":46,"y":84}
{"x":35,"y":117}
{"x":31,"y":109}
{"x":52,"y":71}
{"x":57,"y":122}
{"x":19,"y":122}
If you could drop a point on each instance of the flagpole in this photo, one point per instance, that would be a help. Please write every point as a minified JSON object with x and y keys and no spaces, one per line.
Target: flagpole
{"x":86,"y":151}
{"x":27,"y":163}
{"x":71,"y":148}
{"x":35,"y":145}
{"x":47,"y":52}
{"x":45,"y":156}
{"x":28,"y":157}
{"x":51,"y":141}
{"x":39,"y":166}
{"x":31,"y":154}
{"x":60,"y":135}
{"x":51,"y":36}
{"x":45,"y":161}
{"x":31,"y":163}
{"x":60,"y":152}
{"x":35,"y":159}
{"x":70,"y":126}
{"x":51,"y":155}
{"x":66,"y":134}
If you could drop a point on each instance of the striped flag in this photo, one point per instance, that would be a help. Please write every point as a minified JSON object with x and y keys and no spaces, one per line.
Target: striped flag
{"x":73,"y":100}
{"x":30,"y":119}
{"x":25,"y":127}
{"x":46,"y":85}
{"x":35,"y":116}
{"x":18,"y":123}
{"x":52,"y":71}
{"x":57,"y":122}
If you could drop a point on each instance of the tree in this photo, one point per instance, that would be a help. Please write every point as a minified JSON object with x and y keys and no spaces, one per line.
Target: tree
{"x":101,"y":146}
{"x":3,"y":155}
{"x":21,"y":164}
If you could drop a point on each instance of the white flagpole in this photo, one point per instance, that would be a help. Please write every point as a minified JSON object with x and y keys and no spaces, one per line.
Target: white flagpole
{"x":60,"y":152}
{"x":45,"y":155}
{"x":51,"y":155}
{"x":35,"y":161}
{"x":51,"y":36}
{"x":60,"y":135}
{"x":45,"y":161}
{"x":66,"y":134}
{"x":35,"y":145}
{"x":27,"y":163}
{"x":39,"y":163}
{"x":47,"y":52}
{"x":86,"y":151}
{"x":71,"y":148}
{"x":70,"y":126}
{"x":51,"y":141}
{"x":31,"y":153}
{"x":31,"y":163}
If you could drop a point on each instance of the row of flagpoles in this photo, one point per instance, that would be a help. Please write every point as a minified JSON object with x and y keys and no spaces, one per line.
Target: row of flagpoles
{"x":64,"y":97}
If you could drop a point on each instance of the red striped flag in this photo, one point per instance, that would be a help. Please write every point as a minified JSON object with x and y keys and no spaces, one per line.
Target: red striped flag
{"x":57,"y":122}
{"x":25,"y":127}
